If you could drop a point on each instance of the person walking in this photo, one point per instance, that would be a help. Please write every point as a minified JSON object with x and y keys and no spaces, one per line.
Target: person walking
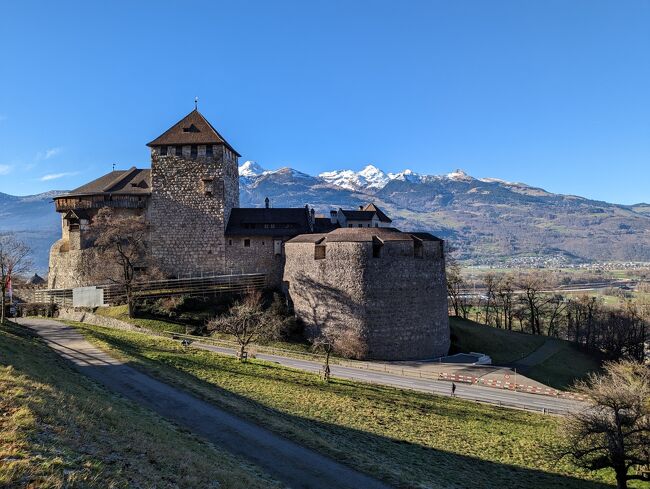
{"x":453,"y":389}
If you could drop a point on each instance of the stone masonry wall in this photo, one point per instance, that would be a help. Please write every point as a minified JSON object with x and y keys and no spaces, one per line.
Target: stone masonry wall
{"x":72,"y":255}
{"x":395,"y":304}
{"x":259,"y":257}
{"x":190,"y":204}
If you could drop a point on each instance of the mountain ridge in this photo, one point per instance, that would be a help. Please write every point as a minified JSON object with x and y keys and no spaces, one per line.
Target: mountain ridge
{"x":487,"y":220}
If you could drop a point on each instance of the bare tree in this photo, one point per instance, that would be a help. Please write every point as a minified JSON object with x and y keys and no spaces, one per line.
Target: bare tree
{"x":614,"y":431}
{"x":456,"y":284}
{"x":14,"y":260}
{"x":534,"y":300}
{"x":121,"y":243}
{"x":505,"y":299}
{"x":336,"y":337}
{"x":246,"y":321}
{"x":490,"y":281}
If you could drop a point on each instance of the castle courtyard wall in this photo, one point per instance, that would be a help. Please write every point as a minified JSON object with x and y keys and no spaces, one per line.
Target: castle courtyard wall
{"x":259,"y":257}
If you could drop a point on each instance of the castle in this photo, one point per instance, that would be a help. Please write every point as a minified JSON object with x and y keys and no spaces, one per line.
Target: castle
{"x":349,"y":269}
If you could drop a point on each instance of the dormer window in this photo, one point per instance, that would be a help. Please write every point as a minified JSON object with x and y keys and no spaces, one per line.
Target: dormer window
{"x":191,"y":128}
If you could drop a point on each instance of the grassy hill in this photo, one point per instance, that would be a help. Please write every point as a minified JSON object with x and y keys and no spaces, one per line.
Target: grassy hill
{"x":506,"y":347}
{"x":59,"y":429}
{"x":410,"y":439}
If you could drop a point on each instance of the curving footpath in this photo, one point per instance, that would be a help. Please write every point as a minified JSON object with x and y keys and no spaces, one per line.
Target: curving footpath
{"x":292,"y":464}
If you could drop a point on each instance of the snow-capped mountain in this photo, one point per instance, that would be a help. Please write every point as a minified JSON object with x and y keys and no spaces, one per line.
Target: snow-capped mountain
{"x":250,"y":169}
{"x":488,"y":220}
{"x":368,"y":178}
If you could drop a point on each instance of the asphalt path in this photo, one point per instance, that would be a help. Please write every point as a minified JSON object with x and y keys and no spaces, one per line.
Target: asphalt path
{"x":500,"y":397}
{"x":290,"y":463}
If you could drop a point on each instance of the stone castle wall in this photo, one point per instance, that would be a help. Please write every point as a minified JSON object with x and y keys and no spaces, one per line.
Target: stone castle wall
{"x":396,"y":304}
{"x":259,"y":257}
{"x":72,"y":257}
{"x":190,"y":205}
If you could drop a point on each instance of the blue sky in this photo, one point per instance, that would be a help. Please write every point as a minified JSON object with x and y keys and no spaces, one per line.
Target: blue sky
{"x":551,"y":93}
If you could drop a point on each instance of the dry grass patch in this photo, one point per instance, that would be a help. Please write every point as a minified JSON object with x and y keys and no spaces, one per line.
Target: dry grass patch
{"x":408,"y":438}
{"x":59,"y":429}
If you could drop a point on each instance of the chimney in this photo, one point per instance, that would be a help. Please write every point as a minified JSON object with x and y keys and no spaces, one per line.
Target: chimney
{"x":266,"y":202}
{"x":333,"y":217}
{"x":360,"y":207}
{"x":312,"y":218}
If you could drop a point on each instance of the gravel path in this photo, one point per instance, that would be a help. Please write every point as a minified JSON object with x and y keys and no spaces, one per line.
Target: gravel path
{"x":290,"y":463}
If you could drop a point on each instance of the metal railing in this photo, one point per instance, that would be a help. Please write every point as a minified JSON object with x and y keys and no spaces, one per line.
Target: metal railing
{"x":201,"y":286}
{"x":409,"y":372}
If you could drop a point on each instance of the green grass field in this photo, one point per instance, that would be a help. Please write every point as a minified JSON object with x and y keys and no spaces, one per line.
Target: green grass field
{"x":410,"y":439}
{"x":506,"y":347}
{"x":160,"y":325}
{"x":122,"y":313}
{"x":564,"y":368}
{"x":58,"y":429}
{"x":502,"y":345}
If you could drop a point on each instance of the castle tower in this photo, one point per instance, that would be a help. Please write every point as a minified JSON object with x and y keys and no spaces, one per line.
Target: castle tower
{"x":194,"y":186}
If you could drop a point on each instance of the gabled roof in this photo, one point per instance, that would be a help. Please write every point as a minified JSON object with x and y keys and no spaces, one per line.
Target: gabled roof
{"x":358,"y":215}
{"x":366,"y":213}
{"x":77,"y":214}
{"x":380,"y":214}
{"x":191,"y":129}
{"x":268,"y":222}
{"x":134,"y":181}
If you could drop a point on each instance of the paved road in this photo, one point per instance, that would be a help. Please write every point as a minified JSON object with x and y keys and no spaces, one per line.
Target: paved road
{"x":490,"y":395}
{"x":294,"y":465}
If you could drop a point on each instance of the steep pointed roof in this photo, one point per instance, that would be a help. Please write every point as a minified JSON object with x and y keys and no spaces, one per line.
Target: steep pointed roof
{"x":380,"y":214}
{"x":191,"y":129}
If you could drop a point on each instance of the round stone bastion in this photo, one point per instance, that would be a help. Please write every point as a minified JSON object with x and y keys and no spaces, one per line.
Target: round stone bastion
{"x":379,"y":292}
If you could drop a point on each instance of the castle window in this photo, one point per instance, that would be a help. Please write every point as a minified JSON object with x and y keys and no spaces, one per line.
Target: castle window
{"x":377,"y":245}
{"x":230,"y":242}
{"x":360,"y":225}
{"x":376,"y":224}
{"x":277,"y":246}
{"x":193,"y":151}
{"x":418,"y":248}
{"x":208,"y":151}
{"x":208,"y":186}
{"x":179,"y":151}
{"x":247,"y":243}
{"x":319,"y":252}
{"x":163,"y":151}
{"x":349,"y":225}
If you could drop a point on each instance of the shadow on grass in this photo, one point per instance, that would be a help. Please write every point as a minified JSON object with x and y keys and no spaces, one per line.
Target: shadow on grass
{"x":399,"y":462}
